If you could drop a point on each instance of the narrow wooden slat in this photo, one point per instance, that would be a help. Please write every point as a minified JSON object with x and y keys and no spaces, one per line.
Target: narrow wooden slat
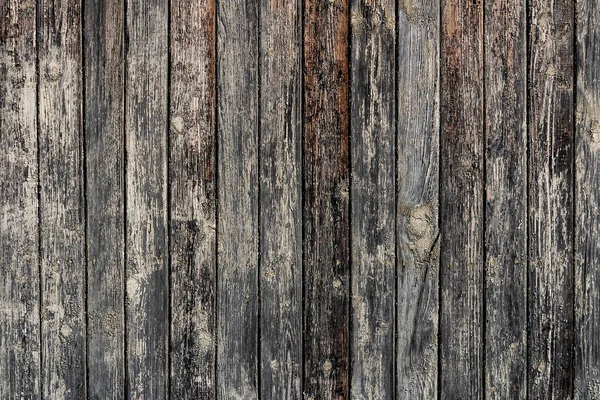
{"x":147,"y":296}
{"x":326,"y":200}
{"x":373,"y":132}
{"x":193,"y":206}
{"x":19,"y":269}
{"x":237,"y":209}
{"x":104,"y":73}
{"x":505,"y":72}
{"x":461,"y":141}
{"x":551,"y":199}
{"x":417,"y":209}
{"x":61,"y":200}
{"x":281,"y":199}
{"x":587,"y":173}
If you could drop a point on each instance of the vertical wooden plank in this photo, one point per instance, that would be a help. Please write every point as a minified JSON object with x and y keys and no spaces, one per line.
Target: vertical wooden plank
{"x":147,"y":322}
{"x":587,"y":173}
{"x":62,"y":200}
{"x":373,"y":198}
{"x":193,"y":206}
{"x":281,"y":199}
{"x":417,"y":212}
{"x":104,"y":75}
{"x":505,"y":72}
{"x":461,"y":272}
{"x":326,"y":200}
{"x":19,"y":268}
{"x":237,"y":186}
{"x":551,"y":199}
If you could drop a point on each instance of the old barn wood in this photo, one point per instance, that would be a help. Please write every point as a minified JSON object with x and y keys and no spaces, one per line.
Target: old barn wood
{"x":300,"y":199}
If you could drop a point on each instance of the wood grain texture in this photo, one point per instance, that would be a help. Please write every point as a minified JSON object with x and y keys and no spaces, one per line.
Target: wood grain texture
{"x":19,"y":269}
{"x":461,"y":141}
{"x":281,"y":199}
{"x":505,"y":72}
{"x":587,"y":173}
{"x":238,"y":196}
{"x":193,"y":202}
{"x":551,"y":200}
{"x":62,"y":207}
{"x":417,"y":208}
{"x":373,"y":187}
{"x":326,"y":200}
{"x":104,"y":110}
{"x":147,"y":279}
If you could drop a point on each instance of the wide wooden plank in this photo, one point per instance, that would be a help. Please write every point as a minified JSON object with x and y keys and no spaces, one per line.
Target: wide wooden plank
{"x":147,"y":294}
{"x":587,"y":223}
{"x":237,"y":209}
{"x":417,"y":208}
{"x":551,"y":135}
{"x":104,"y":110}
{"x":505,"y":72}
{"x":62,"y":207}
{"x":326,"y":200}
{"x":281,"y":199}
{"x":19,"y":269}
{"x":373,"y":130}
{"x":193,"y":202}
{"x":461,"y":200}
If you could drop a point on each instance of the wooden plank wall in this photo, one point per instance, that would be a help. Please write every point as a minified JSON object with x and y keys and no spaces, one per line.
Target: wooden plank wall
{"x":318,"y":199}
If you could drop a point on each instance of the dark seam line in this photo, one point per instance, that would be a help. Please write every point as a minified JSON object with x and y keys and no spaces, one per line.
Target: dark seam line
{"x":349,"y":215}
{"x":38,"y":24}
{"x":258,"y":198}
{"x":527,"y":195}
{"x":125,"y":247}
{"x":302,"y":7}
{"x":574,"y":205}
{"x":440,"y":198}
{"x":216,"y":192}
{"x":484,"y":207}
{"x":84,"y":206}
{"x":395,"y":366}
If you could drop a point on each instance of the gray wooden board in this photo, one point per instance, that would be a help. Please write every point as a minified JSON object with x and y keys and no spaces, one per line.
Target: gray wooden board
{"x":505,"y":72}
{"x":587,"y":173}
{"x":104,"y":110}
{"x":281,"y":200}
{"x":193,"y":199}
{"x":62,"y":196}
{"x":373,"y":133}
{"x":146,"y":270}
{"x":417,"y":208}
{"x":19,"y":263}
{"x":551,"y":136}
{"x":237,"y":193}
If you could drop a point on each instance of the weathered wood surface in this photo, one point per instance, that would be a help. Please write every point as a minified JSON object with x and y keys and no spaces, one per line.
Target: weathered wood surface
{"x":105,"y":188}
{"x":19,"y":274}
{"x":280,"y":224}
{"x":146,"y":129}
{"x":326,"y":200}
{"x":551,"y":135}
{"x":587,"y":218}
{"x":238,"y":199}
{"x":192,"y":180}
{"x":62,"y":200}
{"x":505,"y":86}
{"x":372,"y":192}
{"x":461,"y":200}
{"x":417,"y":208}
{"x":299,"y":199}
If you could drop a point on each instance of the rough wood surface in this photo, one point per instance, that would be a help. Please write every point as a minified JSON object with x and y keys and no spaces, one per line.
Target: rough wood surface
{"x":281,"y":200}
{"x":326,"y":200}
{"x":147,"y":279}
{"x":237,"y":260}
{"x":417,"y":208}
{"x":19,"y":269}
{"x":461,"y":201}
{"x":193,"y":202}
{"x":104,"y":110}
{"x":551,"y":200}
{"x":505,"y":72}
{"x":62,"y":207}
{"x":373,"y":132}
{"x":587,"y":173}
